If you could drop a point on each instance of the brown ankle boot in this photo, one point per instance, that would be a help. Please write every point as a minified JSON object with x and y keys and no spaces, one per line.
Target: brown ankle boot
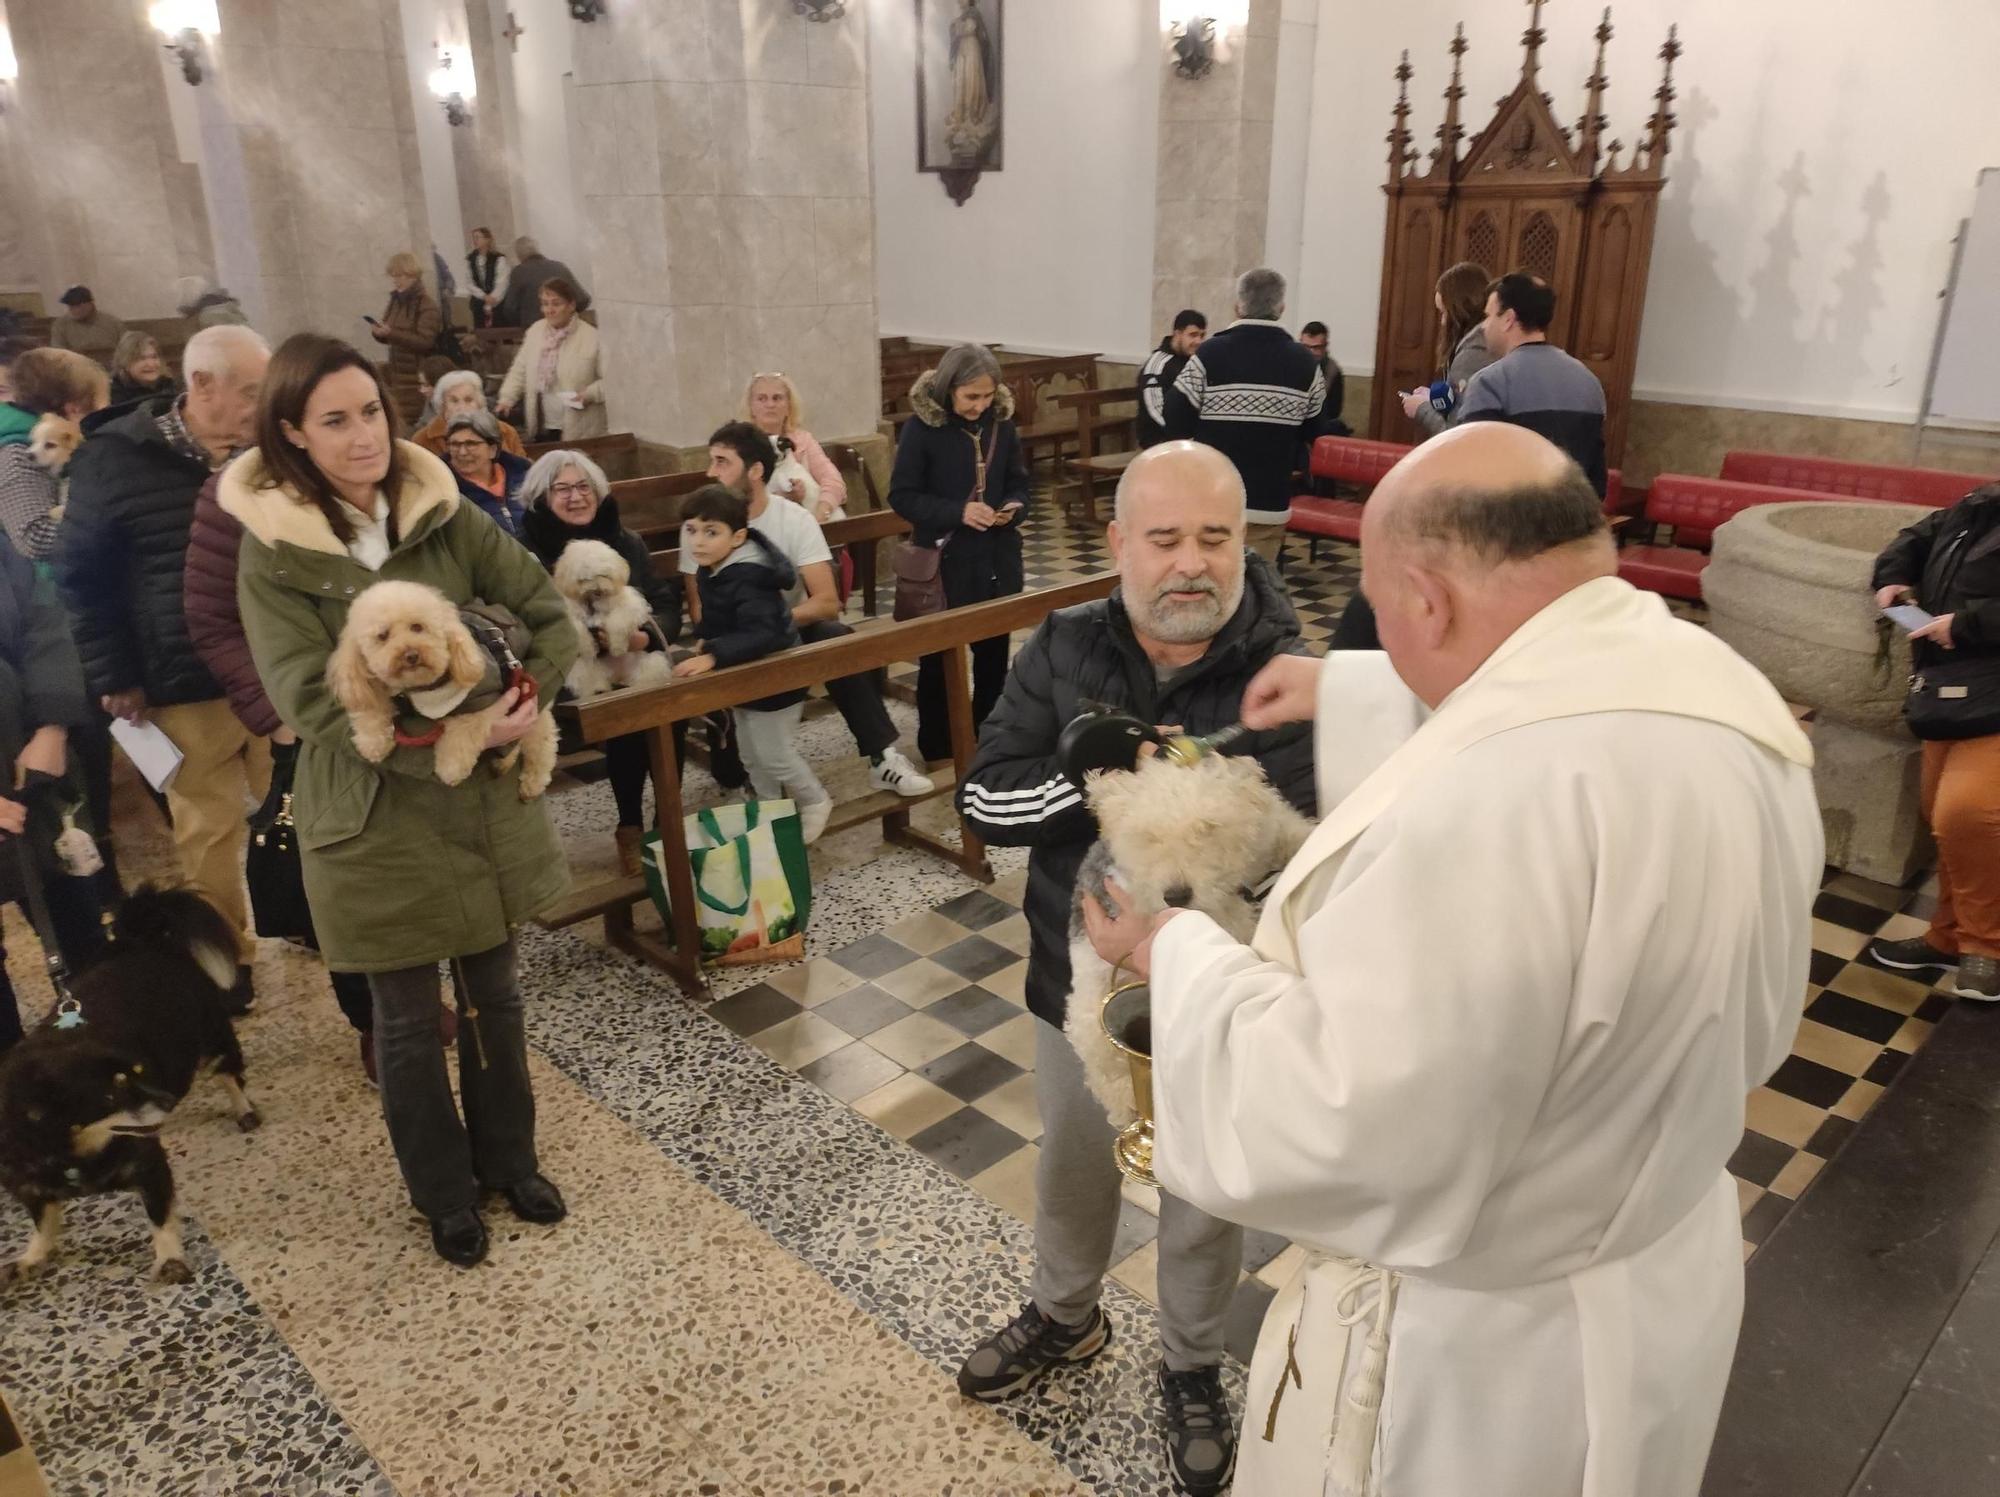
{"x":630,"y":840}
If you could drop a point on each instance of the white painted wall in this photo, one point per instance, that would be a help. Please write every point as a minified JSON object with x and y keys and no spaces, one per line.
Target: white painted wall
{"x":1826,"y":151}
{"x":426,"y":23}
{"x":546,"y":190}
{"x":1055,"y":252}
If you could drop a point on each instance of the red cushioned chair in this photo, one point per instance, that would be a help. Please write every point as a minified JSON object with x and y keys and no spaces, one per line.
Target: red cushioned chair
{"x":1355,"y":460}
{"x":1693,"y":507}
{"x":1841,"y":480}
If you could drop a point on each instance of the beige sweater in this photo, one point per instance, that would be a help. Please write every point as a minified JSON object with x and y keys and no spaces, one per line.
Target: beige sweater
{"x":576,"y":371}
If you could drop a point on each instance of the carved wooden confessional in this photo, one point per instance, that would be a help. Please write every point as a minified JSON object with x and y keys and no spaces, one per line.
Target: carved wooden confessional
{"x":1527,"y":195}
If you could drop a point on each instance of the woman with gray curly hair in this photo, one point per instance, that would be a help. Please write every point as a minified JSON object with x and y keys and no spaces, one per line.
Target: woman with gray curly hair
{"x":567,"y":498}
{"x":961,"y":480}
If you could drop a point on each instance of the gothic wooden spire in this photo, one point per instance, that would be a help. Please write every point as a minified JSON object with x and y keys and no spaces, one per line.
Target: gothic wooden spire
{"x":1661,"y":125}
{"x":1532,"y":39}
{"x":1451,"y":132}
{"x":1591,"y":126}
{"x":1399,"y":133}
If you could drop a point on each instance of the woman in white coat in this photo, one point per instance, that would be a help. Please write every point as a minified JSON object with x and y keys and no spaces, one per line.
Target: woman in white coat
{"x":555,"y":382}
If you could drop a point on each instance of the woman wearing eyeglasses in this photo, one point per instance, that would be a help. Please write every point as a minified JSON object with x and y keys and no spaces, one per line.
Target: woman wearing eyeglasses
{"x":771,"y":404}
{"x":489,"y":477}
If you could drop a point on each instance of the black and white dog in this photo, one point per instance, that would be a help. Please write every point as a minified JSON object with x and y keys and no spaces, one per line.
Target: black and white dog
{"x":81,"y":1107}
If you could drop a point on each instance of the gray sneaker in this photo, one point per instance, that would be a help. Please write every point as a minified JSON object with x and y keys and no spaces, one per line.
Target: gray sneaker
{"x":1978,"y":979}
{"x":1201,"y":1437}
{"x":1028,"y":1346}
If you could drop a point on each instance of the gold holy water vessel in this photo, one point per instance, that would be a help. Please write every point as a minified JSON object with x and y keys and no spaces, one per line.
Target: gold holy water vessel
{"x":1127,"y":1017}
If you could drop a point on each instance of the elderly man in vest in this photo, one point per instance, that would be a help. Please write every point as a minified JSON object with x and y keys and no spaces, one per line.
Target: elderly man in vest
{"x":1487,"y":1055}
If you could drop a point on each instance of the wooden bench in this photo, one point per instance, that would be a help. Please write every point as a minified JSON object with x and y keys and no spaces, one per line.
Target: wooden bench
{"x":1097,"y":426}
{"x":616,"y":453}
{"x":654,"y":710}
{"x":1044,"y":427}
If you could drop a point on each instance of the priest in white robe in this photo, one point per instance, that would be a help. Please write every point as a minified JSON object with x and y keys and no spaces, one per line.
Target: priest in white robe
{"x":1487,"y":1056}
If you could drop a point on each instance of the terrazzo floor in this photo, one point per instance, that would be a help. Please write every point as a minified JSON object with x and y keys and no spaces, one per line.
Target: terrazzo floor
{"x":793,"y":1212}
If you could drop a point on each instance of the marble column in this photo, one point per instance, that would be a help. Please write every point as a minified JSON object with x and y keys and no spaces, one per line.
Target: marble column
{"x":1214,"y":184}
{"x":722,"y":149}
{"x":94,"y":171}
{"x":479,"y":149}
{"x":318,"y":102}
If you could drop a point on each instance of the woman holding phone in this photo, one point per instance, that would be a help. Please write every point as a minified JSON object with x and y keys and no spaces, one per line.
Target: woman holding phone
{"x":1948,"y":566}
{"x":961,"y":480}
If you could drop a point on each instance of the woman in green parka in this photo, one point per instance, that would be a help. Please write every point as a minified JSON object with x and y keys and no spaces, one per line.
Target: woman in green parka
{"x":403,"y":871}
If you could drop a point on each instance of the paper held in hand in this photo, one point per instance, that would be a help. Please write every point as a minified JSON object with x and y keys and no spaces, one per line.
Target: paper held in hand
{"x":152,"y":753}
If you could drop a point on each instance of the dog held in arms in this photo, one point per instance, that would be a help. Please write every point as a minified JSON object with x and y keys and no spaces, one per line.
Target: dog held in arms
{"x":81,"y":1107}
{"x":1209,"y":838}
{"x":408,"y":642}
{"x":607,"y":611}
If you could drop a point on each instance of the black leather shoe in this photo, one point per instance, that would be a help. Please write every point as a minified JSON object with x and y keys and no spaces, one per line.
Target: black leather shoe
{"x":460,"y":1237}
{"x":536,"y":1200}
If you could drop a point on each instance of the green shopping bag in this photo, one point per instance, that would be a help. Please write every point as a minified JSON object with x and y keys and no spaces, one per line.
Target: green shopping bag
{"x":752,"y":884}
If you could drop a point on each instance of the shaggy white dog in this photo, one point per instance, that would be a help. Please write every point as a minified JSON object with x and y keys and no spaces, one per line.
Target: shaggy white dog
{"x":607,"y":611}
{"x":1200,"y":838}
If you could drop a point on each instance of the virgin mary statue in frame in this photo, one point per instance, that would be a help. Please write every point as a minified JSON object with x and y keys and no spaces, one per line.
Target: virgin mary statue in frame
{"x":959,"y":91}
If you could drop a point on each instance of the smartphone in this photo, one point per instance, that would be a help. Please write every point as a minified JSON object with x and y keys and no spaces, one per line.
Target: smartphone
{"x":1907,"y":616}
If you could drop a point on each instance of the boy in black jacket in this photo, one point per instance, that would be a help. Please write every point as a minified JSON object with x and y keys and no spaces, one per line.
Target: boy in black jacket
{"x":744,"y":580}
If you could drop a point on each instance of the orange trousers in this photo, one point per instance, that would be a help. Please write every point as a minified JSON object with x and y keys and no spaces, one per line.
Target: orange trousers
{"x":1961,"y":801}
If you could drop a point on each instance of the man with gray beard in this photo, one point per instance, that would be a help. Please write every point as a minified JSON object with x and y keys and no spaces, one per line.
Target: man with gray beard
{"x":1194,"y":617}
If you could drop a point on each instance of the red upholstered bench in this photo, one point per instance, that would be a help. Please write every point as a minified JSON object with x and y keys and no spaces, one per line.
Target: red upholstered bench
{"x":1355,"y":460}
{"x":1693,"y":507}
{"x":1841,"y":480}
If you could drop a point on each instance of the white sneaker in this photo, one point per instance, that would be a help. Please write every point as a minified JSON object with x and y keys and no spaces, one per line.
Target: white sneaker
{"x":813,"y":818}
{"x":898,"y":774}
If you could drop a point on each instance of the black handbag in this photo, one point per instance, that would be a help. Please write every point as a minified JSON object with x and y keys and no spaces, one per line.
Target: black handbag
{"x":271,"y":864}
{"x":1954,"y":697}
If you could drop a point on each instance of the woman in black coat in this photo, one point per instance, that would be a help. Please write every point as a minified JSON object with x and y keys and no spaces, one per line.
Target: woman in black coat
{"x":1948,"y":565}
{"x":961,"y":480}
{"x":566,"y":497}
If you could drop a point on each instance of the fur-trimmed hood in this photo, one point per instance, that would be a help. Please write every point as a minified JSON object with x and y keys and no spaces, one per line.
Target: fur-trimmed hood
{"x":277,"y":515}
{"x":929,"y":407}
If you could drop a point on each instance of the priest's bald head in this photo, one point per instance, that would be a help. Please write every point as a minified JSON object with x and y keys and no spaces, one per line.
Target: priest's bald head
{"x":1468,"y":538}
{"x":1177,"y":541}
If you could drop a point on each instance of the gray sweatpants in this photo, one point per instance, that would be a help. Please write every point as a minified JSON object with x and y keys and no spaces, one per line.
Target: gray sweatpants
{"x":1076,"y":1221}
{"x":769,"y":743}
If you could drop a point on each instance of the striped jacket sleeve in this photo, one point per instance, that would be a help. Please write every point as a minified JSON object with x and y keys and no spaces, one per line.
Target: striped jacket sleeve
{"x":1185,"y":399}
{"x":1015,"y":795}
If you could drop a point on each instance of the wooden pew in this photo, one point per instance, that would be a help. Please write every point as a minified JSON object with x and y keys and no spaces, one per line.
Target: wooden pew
{"x":1097,"y":426}
{"x":1044,"y":426}
{"x":615,"y":452}
{"x":654,"y":710}
{"x":652,"y":506}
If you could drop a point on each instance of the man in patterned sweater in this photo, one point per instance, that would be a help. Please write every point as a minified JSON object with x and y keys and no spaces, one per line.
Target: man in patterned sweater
{"x":1254,"y":393}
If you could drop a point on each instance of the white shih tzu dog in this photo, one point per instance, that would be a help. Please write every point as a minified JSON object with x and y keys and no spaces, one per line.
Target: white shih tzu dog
{"x":1205,"y":838}
{"x":607,"y":611}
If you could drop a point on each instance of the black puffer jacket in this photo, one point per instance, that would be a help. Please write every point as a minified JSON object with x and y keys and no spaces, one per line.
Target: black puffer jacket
{"x":122,"y":550}
{"x":1951,"y":560}
{"x":745,"y":613}
{"x":935,"y":476}
{"x":1016,"y":796}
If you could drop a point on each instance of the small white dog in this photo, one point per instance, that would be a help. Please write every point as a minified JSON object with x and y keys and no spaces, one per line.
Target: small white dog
{"x":607,"y":611}
{"x":406,"y":642}
{"x":54,"y":441}
{"x":1200,"y":838}
{"x":789,"y":480}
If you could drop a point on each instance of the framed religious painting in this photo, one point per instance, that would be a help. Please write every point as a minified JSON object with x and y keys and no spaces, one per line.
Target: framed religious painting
{"x":959,"y":92}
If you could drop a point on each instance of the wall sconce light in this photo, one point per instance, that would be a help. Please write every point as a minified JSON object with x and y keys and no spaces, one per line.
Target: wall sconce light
{"x":185,"y":23}
{"x":586,"y":10}
{"x":820,"y":10}
{"x":1194,"y":46}
{"x":10,"y":69}
{"x":455,"y":89}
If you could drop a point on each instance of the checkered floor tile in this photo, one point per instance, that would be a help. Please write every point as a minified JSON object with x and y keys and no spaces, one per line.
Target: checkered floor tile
{"x":923,"y":1029}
